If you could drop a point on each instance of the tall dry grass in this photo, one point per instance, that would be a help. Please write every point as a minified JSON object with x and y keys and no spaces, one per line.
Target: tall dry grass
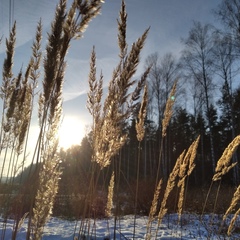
{"x":182,"y":168}
{"x":109,"y":205}
{"x":112,"y":114}
{"x":67,"y":25}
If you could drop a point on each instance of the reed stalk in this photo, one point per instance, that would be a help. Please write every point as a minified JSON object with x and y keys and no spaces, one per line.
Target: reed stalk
{"x":109,"y":205}
{"x":6,"y":92}
{"x":182,"y":168}
{"x":153,"y":209}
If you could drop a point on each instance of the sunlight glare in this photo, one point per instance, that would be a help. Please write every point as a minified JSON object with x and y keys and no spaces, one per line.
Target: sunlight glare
{"x":71,"y":132}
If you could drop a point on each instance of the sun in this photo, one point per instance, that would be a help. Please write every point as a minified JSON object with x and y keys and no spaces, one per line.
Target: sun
{"x":71,"y":132}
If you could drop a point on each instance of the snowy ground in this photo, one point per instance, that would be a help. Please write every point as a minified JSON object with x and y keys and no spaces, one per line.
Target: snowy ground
{"x":191,"y":228}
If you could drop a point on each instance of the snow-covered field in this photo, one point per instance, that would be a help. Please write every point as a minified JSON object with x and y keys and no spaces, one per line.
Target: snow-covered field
{"x":190,"y":228}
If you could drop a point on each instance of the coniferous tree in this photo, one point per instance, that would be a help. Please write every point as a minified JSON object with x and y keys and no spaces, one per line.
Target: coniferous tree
{"x":180,"y":131}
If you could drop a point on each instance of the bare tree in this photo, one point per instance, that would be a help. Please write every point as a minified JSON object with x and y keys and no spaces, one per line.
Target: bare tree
{"x":197,"y":59}
{"x":155,"y":85}
{"x":228,"y":13}
{"x":164,"y":72}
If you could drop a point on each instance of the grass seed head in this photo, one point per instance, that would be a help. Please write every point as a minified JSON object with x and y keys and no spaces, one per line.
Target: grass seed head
{"x":223,"y":164}
{"x":168,"y":110}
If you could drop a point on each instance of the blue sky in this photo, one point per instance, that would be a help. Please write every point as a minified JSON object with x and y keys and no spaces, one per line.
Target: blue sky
{"x":170,"y":20}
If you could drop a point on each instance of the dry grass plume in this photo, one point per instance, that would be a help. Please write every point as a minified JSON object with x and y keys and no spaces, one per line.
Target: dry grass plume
{"x":141,"y":116}
{"x":110,"y":119}
{"x":223,"y":164}
{"x":168,"y":109}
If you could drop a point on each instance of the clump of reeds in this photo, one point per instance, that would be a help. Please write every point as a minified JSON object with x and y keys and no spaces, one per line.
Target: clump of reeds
{"x":17,"y":93}
{"x":50,"y":120}
{"x":110,"y":119}
{"x":111,"y":116}
{"x":6,"y":89}
{"x":182,"y":168}
{"x":186,"y":167}
{"x":66,"y":26}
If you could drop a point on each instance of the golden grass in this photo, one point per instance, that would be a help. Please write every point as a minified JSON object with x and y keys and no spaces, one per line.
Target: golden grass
{"x":223,"y":164}
{"x":109,"y":206}
{"x":168,"y":109}
{"x":153,"y":208}
{"x":47,"y":190}
{"x":231,"y":225}
{"x":110,"y":119}
{"x":172,"y":180}
{"x":141,"y":116}
{"x":182,"y":168}
{"x":186,"y":169}
{"x":234,"y":202}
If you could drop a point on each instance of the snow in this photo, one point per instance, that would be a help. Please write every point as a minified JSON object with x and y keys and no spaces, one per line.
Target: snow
{"x":190,"y":227}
